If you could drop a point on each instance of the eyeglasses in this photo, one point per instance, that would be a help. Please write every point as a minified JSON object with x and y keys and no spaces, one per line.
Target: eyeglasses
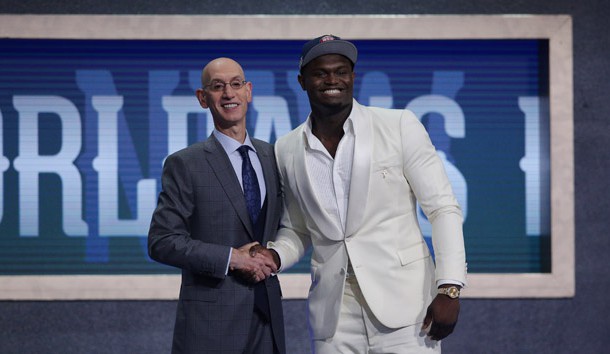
{"x":219,"y":86}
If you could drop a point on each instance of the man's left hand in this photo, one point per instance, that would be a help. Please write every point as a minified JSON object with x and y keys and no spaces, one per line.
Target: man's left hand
{"x":442,"y":315}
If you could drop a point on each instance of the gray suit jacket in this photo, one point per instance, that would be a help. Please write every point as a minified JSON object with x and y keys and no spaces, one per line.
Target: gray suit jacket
{"x":201,"y":214}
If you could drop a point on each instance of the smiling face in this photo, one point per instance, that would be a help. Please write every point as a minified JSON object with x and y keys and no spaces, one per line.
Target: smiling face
{"x":329,"y":82}
{"x":228,"y":105}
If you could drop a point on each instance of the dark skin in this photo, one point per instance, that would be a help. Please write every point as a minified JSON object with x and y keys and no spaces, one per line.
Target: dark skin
{"x":329,"y":83}
{"x":442,"y":313}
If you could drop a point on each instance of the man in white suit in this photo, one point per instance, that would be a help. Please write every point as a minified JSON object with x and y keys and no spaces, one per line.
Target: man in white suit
{"x":351,"y":176}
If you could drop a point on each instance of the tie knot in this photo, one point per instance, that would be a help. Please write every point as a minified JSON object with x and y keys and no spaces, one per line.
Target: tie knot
{"x":243,"y":151}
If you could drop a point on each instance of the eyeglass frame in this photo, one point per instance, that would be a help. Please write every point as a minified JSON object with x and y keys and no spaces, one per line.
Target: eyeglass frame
{"x":242,"y":83}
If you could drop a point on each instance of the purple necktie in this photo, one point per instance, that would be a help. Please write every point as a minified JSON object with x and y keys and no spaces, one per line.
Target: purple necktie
{"x":252,"y":191}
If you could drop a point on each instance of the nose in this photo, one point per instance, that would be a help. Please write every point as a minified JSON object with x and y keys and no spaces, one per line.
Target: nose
{"x":228,"y":91}
{"x":331,"y":78}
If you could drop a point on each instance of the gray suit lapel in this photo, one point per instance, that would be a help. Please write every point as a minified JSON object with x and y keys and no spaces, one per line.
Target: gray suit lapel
{"x":221,"y":165}
{"x":268,"y":164}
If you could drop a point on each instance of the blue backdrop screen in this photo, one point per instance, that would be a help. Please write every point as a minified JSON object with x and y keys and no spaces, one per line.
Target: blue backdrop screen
{"x":86,"y":125}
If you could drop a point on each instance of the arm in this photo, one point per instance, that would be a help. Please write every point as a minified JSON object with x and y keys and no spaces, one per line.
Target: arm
{"x":289,"y":245}
{"x":170,"y":240}
{"x":425,"y":173}
{"x":293,"y":237}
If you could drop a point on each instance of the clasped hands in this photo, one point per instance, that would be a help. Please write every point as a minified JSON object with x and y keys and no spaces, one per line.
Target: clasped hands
{"x":253,"y":262}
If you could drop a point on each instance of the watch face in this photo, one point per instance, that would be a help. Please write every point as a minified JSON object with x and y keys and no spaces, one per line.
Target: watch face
{"x":452,"y":292}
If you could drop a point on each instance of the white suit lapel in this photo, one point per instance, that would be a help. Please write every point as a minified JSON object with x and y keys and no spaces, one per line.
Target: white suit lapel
{"x":305,"y":190}
{"x":361,"y":169}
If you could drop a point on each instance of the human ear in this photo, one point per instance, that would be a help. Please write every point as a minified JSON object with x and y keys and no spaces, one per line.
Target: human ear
{"x":201,"y":98}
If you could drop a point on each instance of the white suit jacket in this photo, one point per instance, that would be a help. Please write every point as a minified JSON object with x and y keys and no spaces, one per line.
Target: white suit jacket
{"x":394,"y":164}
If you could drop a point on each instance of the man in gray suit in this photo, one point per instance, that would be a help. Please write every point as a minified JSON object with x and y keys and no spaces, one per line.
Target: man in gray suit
{"x":219,"y":198}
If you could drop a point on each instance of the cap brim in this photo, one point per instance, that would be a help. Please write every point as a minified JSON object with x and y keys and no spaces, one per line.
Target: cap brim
{"x":345,"y":48}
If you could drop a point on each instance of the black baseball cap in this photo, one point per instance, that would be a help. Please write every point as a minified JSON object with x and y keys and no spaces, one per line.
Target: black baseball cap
{"x":327,"y":44}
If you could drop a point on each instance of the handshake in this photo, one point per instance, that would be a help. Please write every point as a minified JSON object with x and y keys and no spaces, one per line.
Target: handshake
{"x":254,"y":262}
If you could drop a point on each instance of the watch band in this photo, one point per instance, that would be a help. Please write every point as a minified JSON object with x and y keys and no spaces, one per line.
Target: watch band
{"x":452,"y":291}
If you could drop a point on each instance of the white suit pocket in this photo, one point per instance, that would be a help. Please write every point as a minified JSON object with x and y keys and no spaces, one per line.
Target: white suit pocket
{"x":413,"y":253}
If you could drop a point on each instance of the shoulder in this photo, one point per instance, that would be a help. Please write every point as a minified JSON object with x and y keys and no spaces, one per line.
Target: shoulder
{"x":391,"y":115}
{"x":376,"y":116}
{"x":190,"y":152}
{"x":262,"y":146}
{"x":388,"y":121}
{"x":291,"y":138}
{"x":392,"y":119}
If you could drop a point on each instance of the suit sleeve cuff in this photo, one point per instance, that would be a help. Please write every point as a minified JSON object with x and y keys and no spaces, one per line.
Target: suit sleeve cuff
{"x":449,"y":281}
{"x":271,"y":245}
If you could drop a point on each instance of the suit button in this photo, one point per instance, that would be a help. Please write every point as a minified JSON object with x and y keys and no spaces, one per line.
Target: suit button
{"x":345,"y":273}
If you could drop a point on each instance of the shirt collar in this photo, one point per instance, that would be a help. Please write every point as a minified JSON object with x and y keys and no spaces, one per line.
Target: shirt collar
{"x":229,"y":144}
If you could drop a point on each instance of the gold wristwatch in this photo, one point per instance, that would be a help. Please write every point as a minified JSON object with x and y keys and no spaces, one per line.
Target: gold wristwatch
{"x":452,"y":291}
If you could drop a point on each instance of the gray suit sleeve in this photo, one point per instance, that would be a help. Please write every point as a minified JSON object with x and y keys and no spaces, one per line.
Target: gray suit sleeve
{"x":169,"y":239}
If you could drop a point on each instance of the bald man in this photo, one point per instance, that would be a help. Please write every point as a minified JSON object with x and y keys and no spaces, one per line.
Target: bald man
{"x":219,"y":197}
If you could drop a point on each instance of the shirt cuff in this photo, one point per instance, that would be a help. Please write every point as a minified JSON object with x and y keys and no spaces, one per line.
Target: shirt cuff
{"x":270,"y":246}
{"x":228,"y":261}
{"x":448,"y":281}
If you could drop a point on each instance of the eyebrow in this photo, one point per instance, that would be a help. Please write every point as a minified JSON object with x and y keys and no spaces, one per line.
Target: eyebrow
{"x":334,"y":68}
{"x":238,"y":77}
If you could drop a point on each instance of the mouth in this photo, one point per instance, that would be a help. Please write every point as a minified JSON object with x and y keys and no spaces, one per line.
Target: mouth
{"x":333,"y":91}
{"x":229,"y":105}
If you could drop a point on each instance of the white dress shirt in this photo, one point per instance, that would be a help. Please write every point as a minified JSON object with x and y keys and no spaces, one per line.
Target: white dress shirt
{"x":331,"y":177}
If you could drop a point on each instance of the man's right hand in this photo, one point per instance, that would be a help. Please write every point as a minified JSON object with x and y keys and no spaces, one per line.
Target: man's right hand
{"x":271,"y":254}
{"x":252,"y":267}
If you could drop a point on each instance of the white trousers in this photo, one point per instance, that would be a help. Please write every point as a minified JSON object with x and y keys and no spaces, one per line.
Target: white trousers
{"x":359,"y":332}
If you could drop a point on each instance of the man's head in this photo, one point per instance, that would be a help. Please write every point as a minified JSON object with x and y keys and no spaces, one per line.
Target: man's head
{"x":225,"y":92}
{"x":327,"y":74}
